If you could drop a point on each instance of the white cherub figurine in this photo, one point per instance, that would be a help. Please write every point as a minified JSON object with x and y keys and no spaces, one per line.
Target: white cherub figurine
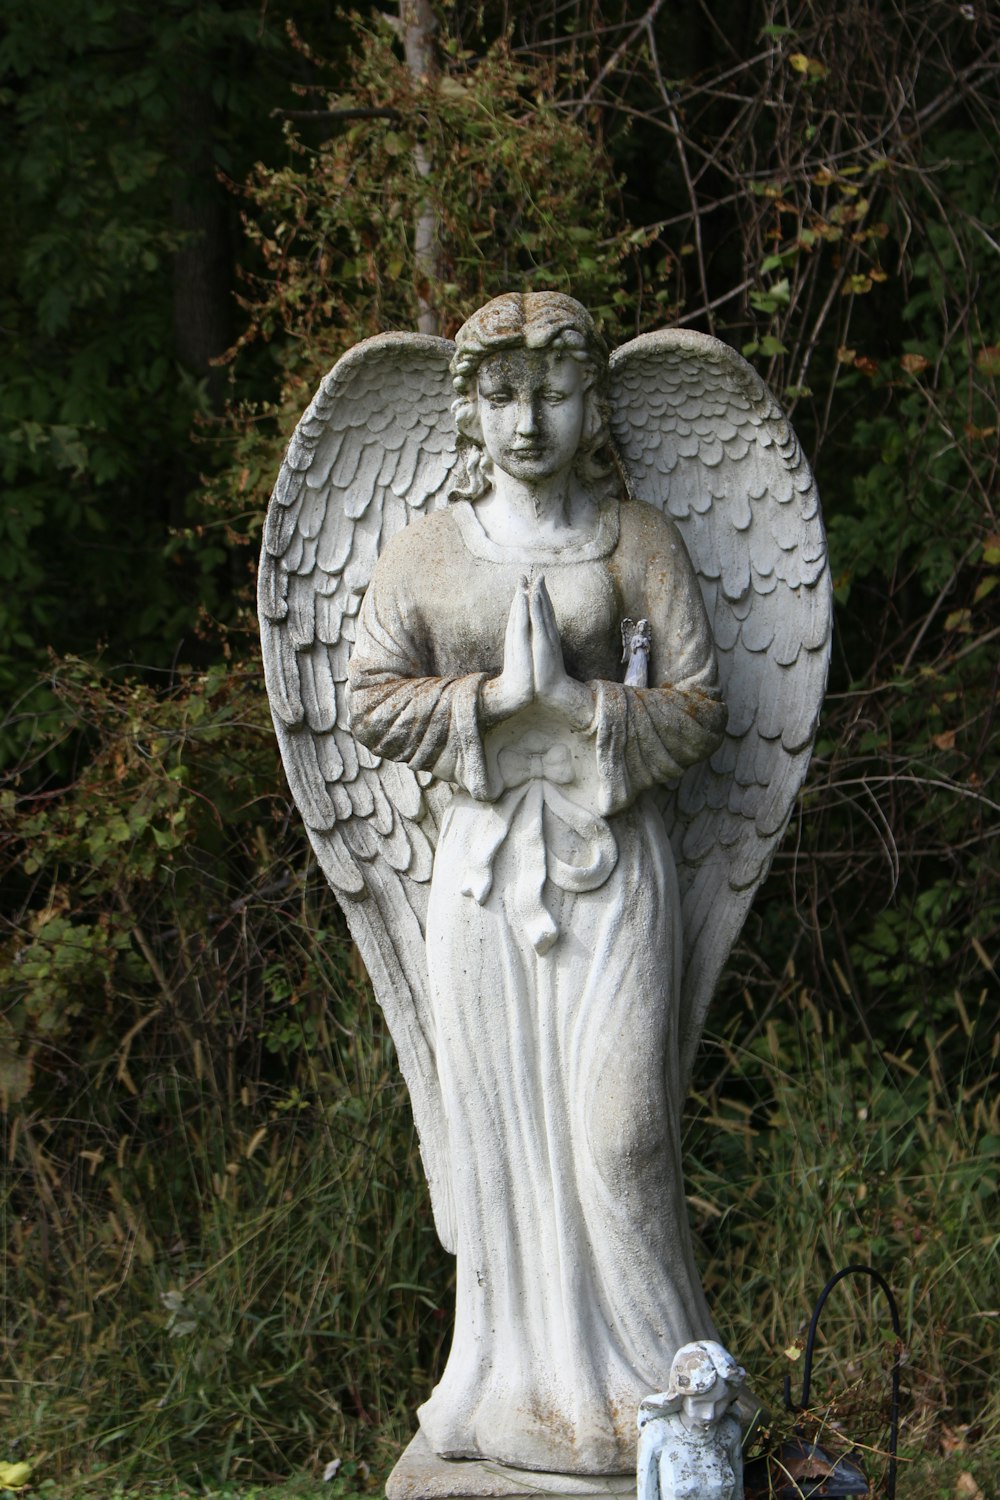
{"x":690,"y":1444}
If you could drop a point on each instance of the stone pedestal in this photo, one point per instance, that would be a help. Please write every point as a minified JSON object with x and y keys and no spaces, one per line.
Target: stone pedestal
{"x":422,"y":1475}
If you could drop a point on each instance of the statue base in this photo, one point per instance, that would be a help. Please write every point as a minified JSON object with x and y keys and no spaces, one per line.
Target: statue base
{"x":422,"y":1475}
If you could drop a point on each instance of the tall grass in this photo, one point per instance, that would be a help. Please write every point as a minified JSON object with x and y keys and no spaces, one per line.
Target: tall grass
{"x":248,"y":1280}
{"x":244,"y":1281}
{"x":808,"y":1153}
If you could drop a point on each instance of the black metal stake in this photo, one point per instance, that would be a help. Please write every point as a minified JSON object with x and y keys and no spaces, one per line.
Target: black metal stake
{"x":880,"y":1280}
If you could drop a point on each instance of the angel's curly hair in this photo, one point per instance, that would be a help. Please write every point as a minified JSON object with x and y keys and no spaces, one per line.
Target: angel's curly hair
{"x":696,"y":1368}
{"x":529,"y":320}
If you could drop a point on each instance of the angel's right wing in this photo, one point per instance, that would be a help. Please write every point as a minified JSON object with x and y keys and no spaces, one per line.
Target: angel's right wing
{"x":375,"y":447}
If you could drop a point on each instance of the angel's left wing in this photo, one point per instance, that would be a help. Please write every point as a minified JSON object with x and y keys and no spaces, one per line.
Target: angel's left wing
{"x":702,"y":438}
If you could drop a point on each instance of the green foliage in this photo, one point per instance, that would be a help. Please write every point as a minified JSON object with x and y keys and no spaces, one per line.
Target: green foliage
{"x":914,"y":559}
{"x":226,"y":1162}
{"x":116,"y":123}
{"x":849,"y":1158}
{"x":520,"y":194}
{"x":303,"y":1487}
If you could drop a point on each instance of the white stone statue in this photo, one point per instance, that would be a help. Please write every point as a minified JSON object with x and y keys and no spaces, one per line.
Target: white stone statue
{"x":690,"y":1443}
{"x":545,"y":852}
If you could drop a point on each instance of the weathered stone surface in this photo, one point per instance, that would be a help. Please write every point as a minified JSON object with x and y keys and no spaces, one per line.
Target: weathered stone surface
{"x":422,"y":1475}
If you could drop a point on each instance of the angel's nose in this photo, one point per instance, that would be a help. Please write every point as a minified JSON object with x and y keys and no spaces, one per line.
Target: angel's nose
{"x":527,"y":419}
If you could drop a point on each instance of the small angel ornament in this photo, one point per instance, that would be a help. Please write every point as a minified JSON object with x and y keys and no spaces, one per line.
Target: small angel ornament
{"x":690,"y":1443}
{"x":543,"y":860}
{"x":636,"y":642}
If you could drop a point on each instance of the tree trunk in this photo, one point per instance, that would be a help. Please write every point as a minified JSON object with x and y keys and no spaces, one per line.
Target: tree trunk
{"x":203,"y":310}
{"x":419,"y":33}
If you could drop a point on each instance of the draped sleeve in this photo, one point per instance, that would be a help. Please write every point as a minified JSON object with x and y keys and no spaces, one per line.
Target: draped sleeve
{"x":402,"y":711}
{"x":646,"y":737}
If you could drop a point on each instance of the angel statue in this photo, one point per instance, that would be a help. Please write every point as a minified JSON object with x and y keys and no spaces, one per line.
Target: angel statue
{"x":690,"y":1443}
{"x":545,"y":854}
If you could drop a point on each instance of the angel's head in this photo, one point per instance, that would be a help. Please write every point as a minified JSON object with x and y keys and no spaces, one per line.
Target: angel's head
{"x":540,"y":338}
{"x":704,"y":1383}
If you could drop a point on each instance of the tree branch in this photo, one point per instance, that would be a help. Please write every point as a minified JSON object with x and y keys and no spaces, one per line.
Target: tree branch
{"x":336,"y":114}
{"x":640,"y":26}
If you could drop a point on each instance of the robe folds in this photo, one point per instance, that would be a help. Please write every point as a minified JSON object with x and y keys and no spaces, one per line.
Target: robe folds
{"x":554,"y":951}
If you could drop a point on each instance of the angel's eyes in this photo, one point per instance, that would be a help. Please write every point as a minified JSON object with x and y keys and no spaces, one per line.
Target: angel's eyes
{"x":504,"y":397}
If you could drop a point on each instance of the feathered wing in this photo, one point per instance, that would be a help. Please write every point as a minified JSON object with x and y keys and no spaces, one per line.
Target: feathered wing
{"x":375,"y":447}
{"x":701,"y":436}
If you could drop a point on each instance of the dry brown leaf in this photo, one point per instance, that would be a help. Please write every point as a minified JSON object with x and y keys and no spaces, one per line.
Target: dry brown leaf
{"x":810,"y":1466}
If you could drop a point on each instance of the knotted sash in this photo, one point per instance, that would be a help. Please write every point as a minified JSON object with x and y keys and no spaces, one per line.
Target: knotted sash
{"x":532,"y":773}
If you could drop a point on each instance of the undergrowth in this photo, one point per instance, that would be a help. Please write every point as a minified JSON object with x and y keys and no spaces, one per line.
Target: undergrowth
{"x":221,"y":1268}
{"x":807,"y":1153}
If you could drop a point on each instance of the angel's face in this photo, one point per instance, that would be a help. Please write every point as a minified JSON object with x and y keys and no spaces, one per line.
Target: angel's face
{"x":701,"y":1411}
{"x":531,"y":411}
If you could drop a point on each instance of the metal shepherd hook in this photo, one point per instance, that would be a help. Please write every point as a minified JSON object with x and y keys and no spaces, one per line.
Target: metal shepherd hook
{"x":879,"y":1279}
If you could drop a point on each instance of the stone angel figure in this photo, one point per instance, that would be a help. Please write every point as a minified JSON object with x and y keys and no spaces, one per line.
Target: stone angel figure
{"x":690,"y":1443}
{"x":545,"y":856}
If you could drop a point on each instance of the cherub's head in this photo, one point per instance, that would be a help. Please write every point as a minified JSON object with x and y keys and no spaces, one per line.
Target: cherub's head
{"x":551,"y":329}
{"x":704,"y":1382}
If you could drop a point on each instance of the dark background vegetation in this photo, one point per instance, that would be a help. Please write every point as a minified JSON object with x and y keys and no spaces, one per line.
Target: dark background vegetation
{"x":219,"y":1258}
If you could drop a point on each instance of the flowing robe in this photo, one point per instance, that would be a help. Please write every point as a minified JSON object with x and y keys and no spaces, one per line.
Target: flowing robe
{"x":554,"y":958}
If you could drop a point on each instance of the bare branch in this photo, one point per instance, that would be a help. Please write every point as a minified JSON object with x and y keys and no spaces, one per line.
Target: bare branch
{"x":609,"y":67}
{"x":335,"y":114}
{"x":682,"y":157}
